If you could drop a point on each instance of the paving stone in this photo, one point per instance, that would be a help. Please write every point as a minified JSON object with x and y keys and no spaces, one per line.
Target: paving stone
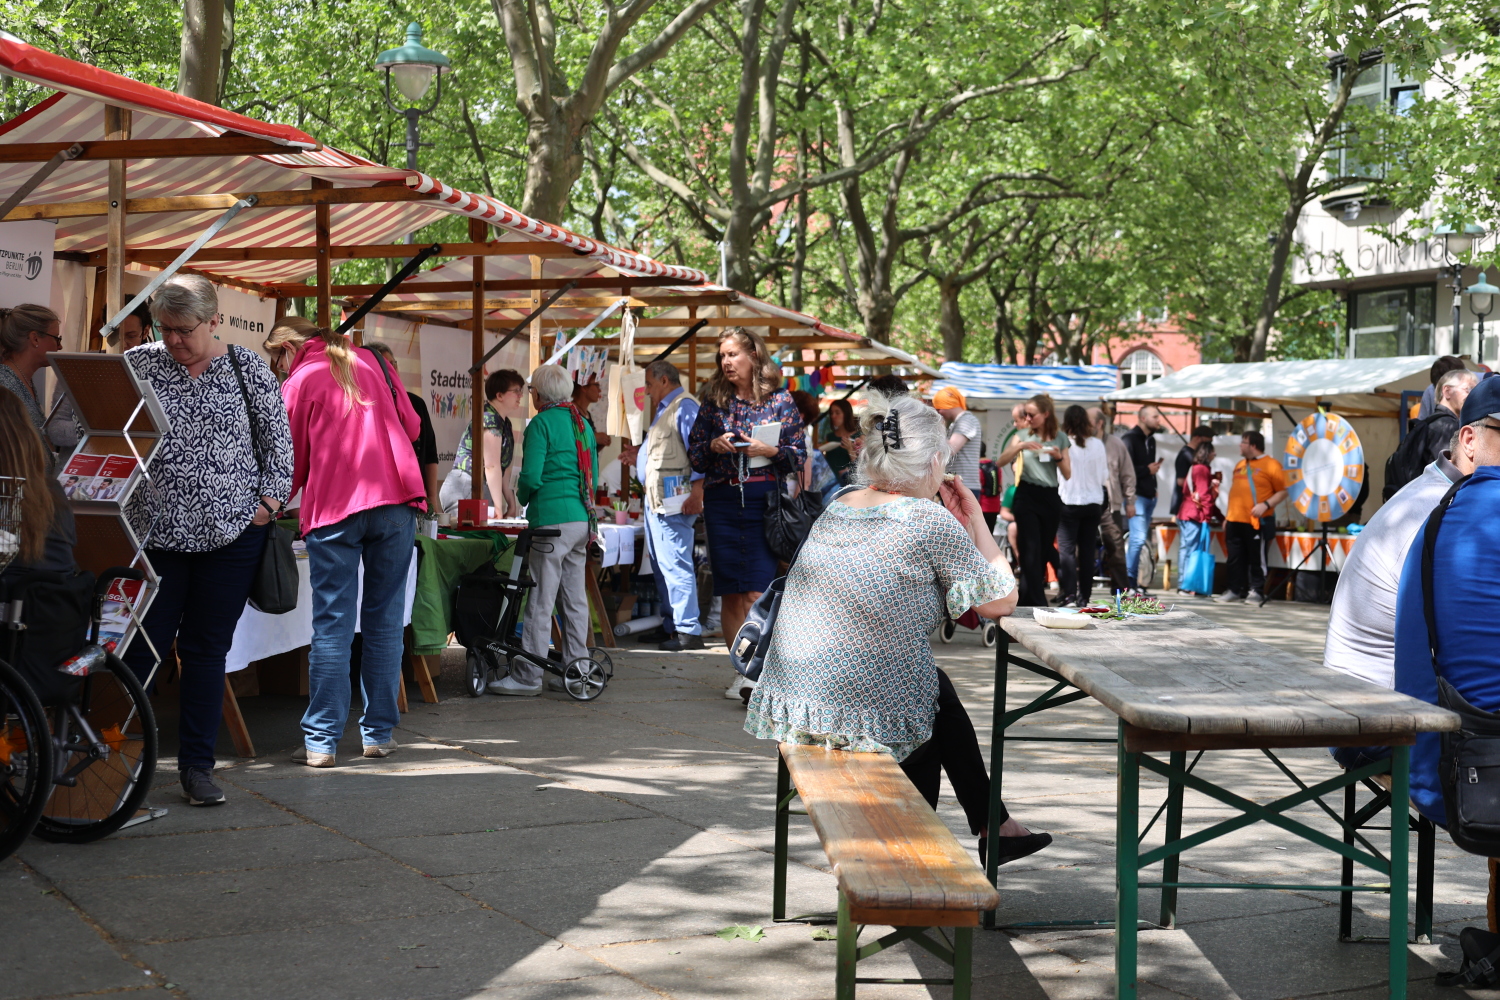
{"x":237,"y":813}
{"x":183,"y":907}
{"x":447,"y":955}
{"x":503,"y":850}
{"x":46,"y":950}
{"x":631,"y":900}
{"x":221,"y":850}
{"x":443,"y":802}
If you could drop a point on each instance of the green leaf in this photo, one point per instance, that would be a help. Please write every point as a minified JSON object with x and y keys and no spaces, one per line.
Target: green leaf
{"x":741,"y":932}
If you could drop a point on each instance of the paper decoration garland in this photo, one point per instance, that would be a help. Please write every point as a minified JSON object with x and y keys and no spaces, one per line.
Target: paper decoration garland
{"x":1325,"y":467}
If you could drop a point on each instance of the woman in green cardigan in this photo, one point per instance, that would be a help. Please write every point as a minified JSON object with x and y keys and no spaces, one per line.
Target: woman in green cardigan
{"x":559,"y":472}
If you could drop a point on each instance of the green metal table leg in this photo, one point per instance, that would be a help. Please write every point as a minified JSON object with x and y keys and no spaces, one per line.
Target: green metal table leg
{"x":963,"y":962}
{"x":1170,"y":865}
{"x":848,"y":947}
{"x":1400,"y":835}
{"x":1127,"y":871}
{"x":783,"y":821}
{"x":997,"y":765}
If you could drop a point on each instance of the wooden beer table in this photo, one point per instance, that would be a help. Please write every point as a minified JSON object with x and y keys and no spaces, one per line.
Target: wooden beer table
{"x":1181,"y":683}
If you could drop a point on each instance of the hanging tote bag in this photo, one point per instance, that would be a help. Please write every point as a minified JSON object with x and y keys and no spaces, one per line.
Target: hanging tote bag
{"x":274,"y":589}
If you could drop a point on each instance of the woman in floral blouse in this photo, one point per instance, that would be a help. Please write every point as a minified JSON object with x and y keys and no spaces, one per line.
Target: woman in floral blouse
{"x":740,"y":471}
{"x":217,"y":479}
{"x":850,"y":666}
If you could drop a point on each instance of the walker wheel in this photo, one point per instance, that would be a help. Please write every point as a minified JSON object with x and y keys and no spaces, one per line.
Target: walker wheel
{"x":947,"y":630}
{"x":601,"y":655}
{"x":476,"y":673}
{"x":991,"y":634}
{"x":584,"y":679}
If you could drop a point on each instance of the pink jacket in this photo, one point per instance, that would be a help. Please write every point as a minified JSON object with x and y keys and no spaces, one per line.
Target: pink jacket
{"x":349,"y":458}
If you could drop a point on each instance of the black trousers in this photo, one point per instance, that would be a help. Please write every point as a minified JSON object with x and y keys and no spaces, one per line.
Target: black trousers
{"x":1077,"y":549}
{"x":1247,"y":549}
{"x":953,"y":748}
{"x":198,"y":604}
{"x":1037,"y":511}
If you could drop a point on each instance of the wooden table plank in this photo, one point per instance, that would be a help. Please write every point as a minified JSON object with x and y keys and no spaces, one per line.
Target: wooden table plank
{"x":1182,"y":673}
{"x":888,"y":848}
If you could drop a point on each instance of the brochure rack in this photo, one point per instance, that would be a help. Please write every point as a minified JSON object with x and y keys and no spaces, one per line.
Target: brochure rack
{"x":123,"y":425}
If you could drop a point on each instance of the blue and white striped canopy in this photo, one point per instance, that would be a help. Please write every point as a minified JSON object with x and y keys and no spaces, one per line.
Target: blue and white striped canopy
{"x":1070,"y":382}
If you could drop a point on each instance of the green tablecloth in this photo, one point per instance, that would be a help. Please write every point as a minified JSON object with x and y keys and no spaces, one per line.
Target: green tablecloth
{"x":440,"y":564}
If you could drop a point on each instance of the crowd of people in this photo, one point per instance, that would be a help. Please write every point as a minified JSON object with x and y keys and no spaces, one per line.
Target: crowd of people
{"x":904,"y":537}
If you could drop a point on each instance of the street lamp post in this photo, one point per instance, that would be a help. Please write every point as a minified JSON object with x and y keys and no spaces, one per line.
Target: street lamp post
{"x":1456,"y":243}
{"x":1481,"y":304}
{"x":414,"y":66}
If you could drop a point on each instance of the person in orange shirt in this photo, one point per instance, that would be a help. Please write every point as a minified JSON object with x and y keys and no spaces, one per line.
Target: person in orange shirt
{"x":1257,"y":485}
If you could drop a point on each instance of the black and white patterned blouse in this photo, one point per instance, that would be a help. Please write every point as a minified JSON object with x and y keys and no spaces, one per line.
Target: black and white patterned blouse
{"x":206,"y":483}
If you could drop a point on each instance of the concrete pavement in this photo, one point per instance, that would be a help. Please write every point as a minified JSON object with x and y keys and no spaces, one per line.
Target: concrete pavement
{"x":540,"y":848}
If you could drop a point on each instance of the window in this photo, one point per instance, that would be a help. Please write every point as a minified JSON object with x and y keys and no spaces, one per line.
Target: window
{"x":1392,"y":322}
{"x":1378,"y":86}
{"x":1140,"y":366}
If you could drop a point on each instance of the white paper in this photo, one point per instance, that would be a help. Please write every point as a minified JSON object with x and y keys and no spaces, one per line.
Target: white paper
{"x":766,"y":434}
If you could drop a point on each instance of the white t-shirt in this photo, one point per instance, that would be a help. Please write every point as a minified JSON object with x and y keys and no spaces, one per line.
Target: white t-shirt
{"x":1090,"y":472}
{"x":965,"y":462}
{"x":1362,"y":620}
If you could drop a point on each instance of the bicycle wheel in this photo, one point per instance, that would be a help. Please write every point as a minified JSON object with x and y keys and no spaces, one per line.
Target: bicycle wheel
{"x":104,"y":744}
{"x":25,"y":759}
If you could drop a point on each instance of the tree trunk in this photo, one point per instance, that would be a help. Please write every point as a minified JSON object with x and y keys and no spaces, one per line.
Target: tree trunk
{"x":1271,"y":298}
{"x":554,"y":162}
{"x":202,"y":50}
{"x":951,"y":319}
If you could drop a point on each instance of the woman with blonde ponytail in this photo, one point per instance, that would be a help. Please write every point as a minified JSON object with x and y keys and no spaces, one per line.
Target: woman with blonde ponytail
{"x":352,"y":431}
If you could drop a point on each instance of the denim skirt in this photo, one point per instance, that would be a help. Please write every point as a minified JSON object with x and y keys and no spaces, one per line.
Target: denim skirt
{"x":742,"y":562}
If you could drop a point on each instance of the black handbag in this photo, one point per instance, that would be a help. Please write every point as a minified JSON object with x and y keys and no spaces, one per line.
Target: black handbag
{"x":1469,"y":767}
{"x":274,"y":589}
{"x":788,"y":521}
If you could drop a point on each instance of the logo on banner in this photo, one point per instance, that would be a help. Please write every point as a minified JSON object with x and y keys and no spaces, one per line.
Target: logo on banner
{"x":33,"y":266}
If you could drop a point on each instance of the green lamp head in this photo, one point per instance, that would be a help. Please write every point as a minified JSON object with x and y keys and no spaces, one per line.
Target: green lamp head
{"x":413,"y":65}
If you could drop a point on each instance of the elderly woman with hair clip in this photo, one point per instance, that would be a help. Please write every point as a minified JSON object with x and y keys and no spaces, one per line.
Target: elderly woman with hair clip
{"x":740,"y":469}
{"x":850,"y":666}
{"x":204,"y":516}
{"x":353,"y":428}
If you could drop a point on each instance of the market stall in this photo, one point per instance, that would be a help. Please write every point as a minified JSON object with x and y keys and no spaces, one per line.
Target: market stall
{"x":1366,"y":392}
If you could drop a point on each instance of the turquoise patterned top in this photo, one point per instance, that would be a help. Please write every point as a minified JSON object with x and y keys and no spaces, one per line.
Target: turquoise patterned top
{"x":850,"y":666}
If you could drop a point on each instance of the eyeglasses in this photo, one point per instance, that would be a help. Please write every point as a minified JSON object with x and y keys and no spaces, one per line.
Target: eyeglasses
{"x":1489,"y":427}
{"x":176,"y":331}
{"x":54,"y":337}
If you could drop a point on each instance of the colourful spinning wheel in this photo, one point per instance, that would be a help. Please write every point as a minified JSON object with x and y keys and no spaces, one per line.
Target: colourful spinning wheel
{"x":1325,"y":467}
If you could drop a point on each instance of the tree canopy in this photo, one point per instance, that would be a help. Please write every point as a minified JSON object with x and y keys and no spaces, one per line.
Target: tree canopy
{"x":1007,"y":179}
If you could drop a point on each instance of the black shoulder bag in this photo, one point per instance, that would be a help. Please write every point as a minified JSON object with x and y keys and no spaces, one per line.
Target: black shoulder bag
{"x":274,"y":589}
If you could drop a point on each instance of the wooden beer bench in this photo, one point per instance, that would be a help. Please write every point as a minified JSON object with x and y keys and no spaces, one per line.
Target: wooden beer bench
{"x":897,"y":865}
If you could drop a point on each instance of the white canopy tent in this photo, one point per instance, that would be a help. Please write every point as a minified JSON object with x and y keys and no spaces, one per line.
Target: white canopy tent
{"x":1366,"y":391}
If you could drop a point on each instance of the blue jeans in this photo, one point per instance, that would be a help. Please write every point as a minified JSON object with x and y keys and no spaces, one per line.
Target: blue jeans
{"x":381,"y":538}
{"x":669,"y":539}
{"x":199,"y":603}
{"x":1140,"y":527}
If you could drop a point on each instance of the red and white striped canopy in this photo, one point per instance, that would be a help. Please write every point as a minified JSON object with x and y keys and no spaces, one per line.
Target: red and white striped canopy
{"x":76,"y":113}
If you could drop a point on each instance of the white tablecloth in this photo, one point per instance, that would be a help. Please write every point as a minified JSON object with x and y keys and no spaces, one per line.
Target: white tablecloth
{"x":260,"y":635}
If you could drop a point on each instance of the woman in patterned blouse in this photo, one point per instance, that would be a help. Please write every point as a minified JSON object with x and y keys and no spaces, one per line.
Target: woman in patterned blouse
{"x":740,"y":472}
{"x":850,"y":666}
{"x":217,"y":479}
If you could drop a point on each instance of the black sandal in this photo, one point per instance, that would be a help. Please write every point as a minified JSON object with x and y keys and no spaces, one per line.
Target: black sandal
{"x":1014,"y":848}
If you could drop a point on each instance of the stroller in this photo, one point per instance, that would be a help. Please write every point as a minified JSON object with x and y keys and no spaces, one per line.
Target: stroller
{"x":486,"y":609}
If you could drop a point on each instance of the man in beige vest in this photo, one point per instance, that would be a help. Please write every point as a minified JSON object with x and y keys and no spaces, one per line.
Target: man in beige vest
{"x":674,"y":499}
